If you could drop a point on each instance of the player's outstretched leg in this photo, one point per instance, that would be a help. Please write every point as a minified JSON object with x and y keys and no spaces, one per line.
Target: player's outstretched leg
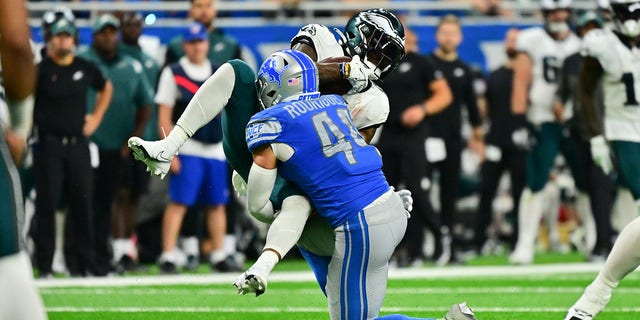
{"x":458,"y":311}
{"x":623,"y":259}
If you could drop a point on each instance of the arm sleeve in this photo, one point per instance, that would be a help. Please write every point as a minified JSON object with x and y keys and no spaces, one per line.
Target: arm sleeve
{"x":259,"y":187}
{"x":209,"y":100}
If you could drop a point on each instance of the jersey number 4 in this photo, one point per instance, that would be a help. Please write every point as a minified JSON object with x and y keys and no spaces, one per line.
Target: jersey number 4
{"x":333,"y":139}
{"x":629,"y":86}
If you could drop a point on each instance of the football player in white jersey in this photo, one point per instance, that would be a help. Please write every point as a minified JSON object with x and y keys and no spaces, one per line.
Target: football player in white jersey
{"x":541,"y":51}
{"x":374,"y":39}
{"x":612,"y":58}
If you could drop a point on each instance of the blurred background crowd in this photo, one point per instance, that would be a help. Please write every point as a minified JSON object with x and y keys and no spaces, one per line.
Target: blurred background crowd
{"x":133,"y":77}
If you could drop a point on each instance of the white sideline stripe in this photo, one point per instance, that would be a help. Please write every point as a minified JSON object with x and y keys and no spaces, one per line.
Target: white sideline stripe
{"x":230,"y":291}
{"x":307,"y":276}
{"x":309,"y":309}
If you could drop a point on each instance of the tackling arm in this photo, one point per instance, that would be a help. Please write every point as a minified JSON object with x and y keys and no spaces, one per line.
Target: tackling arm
{"x":260,"y":183}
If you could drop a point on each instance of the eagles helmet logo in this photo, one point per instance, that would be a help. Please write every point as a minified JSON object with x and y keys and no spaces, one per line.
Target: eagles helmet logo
{"x":269,"y":68}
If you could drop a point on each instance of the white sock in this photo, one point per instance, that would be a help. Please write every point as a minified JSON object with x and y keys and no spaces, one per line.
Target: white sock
{"x":265,"y":263}
{"x":121,"y":247}
{"x":529,"y":215}
{"x":229,"y":244}
{"x":168,"y":256}
{"x":190,"y":246}
{"x":217,"y":256}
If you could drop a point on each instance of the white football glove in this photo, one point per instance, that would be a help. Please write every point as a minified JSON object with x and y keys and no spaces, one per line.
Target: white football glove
{"x":359,"y":75}
{"x":156,"y":155}
{"x":601,"y":154}
{"x":239,"y":184}
{"x":407,"y":201}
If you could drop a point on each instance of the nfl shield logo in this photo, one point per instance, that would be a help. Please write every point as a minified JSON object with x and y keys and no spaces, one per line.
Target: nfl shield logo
{"x":293,"y":82}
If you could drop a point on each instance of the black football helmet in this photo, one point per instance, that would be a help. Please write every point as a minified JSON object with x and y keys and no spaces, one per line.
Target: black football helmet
{"x":377,"y":36}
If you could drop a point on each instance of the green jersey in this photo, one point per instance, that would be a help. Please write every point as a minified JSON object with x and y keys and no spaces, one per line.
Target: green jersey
{"x":152,"y":72}
{"x":243,"y":104}
{"x":131,"y":91}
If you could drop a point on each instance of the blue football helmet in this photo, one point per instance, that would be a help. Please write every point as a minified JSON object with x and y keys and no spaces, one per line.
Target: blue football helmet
{"x":287,"y":75}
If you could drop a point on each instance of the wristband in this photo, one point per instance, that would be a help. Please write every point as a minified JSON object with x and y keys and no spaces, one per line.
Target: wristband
{"x":345,"y":70}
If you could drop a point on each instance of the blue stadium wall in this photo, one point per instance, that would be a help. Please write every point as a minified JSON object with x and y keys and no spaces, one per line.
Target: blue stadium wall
{"x":481,"y":46}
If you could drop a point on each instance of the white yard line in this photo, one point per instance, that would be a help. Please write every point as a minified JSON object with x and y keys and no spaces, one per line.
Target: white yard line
{"x":390,"y":291}
{"x":571,"y":269}
{"x":311,"y":310}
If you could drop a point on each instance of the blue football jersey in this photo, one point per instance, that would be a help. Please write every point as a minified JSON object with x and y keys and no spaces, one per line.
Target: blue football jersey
{"x":332,"y":163}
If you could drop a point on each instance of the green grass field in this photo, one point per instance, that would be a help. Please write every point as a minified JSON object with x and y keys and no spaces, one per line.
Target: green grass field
{"x":494,"y":292}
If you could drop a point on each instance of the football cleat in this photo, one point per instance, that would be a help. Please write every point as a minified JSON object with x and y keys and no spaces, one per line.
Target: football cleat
{"x":153,"y":154}
{"x":460,"y":311}
{"x":577,"y":314}
{"x":248,"y":283}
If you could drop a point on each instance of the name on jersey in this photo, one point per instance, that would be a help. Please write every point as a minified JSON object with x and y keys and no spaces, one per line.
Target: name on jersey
{"x":298,"y":108}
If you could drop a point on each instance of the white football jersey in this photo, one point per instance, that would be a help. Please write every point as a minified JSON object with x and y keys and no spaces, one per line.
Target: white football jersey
{"x":547,"y":56}
{"x":368,"y":108}
{"x":620,"y":83}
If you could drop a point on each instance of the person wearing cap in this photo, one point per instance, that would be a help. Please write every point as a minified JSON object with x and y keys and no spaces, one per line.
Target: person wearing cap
{"x":199,"y":173}
{"x":221,"y":47}
{"x":61,"y":156}
{"x":114,"y":185}
{"x":595,"y":219}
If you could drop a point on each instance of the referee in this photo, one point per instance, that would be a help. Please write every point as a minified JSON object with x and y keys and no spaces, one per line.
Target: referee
{"x":61,"y":157}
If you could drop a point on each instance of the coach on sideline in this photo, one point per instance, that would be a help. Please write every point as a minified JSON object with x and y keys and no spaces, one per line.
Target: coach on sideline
{"x":61,"y":157}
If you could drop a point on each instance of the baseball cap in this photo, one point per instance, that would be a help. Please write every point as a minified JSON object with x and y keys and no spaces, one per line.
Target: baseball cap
{"x":63,"y":25}
{"x":588,"y":16}
{"x":104,"y":21}
{"x":195,"y":31}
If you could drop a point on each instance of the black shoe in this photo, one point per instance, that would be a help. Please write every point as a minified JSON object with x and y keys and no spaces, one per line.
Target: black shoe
{"x":45,"y":275}
{"x":229,"y":264}
{"x":193,"y":262}
{"x":168,"y":268}
{"x":126,"y":263}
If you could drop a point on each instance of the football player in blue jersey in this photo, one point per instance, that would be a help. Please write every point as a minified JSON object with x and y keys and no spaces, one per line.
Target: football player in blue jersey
{"x":311,"y":141}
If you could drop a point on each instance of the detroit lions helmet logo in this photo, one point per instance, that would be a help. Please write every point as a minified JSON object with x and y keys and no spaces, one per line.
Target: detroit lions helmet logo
{"x":269,"y":68}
